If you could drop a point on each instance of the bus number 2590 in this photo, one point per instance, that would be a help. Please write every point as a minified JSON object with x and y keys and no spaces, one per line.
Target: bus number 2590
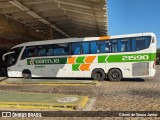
{"x":135,"y":57}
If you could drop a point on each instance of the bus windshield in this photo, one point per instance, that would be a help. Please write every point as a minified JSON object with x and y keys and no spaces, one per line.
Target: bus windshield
{"x":11,"y":58}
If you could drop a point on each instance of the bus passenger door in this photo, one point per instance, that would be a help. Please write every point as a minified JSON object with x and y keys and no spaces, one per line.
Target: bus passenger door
{"x":55,"y":70}
{"x":41,"y":71}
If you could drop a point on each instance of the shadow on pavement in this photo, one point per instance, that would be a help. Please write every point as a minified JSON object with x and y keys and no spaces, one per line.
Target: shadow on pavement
{"x":133,"y":80}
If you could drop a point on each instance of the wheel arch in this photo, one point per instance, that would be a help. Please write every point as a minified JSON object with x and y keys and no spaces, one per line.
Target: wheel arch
{"x":26,"y":70}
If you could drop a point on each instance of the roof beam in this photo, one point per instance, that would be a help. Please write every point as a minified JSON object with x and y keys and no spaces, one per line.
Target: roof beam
{"x":35,"y":2}
{"x":35,"y":15}
{"x":73,"y":3}
{"x":14,"y":27}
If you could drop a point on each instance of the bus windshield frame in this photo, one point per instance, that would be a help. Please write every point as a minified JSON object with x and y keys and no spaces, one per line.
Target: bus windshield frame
{"x":12,"y":56}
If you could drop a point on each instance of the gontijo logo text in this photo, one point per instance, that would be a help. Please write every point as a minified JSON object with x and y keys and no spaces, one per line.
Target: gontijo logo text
{"x":46,"y":61}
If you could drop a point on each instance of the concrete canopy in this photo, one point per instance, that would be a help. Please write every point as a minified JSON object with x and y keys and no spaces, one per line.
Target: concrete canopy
{"x":28,"y":20}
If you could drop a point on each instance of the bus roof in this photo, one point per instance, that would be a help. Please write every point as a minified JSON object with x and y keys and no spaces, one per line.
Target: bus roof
{"x":68,"y":40}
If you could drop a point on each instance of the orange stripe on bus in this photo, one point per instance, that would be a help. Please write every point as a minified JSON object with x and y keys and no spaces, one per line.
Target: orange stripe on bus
{"x":71,"y":60}
{"x":90,"y":59}
{"x":84,"y":67}
{"x":104,"y":37}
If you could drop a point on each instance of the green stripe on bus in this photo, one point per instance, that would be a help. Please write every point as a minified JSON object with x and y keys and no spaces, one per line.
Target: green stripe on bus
{"x":102,"y":59}
{"x":75,"y":67}
{"x":80,"y":59}
{"x":42,"y":61}
{"x":28,"y":61}
{"x":153,"y":56}
{"x":127,"y":58}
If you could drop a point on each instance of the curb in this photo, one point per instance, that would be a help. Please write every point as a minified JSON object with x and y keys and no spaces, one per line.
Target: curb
{"x":83,"y":102}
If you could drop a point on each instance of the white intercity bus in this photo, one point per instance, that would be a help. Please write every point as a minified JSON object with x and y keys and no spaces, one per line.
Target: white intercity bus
{"x":112,"y":57}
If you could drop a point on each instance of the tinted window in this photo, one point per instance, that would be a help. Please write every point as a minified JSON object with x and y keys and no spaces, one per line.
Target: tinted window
{"x":61,"y":49}
{"x":114,"y":46}
{"x":101,"y":46}
{"x":125,"y":45}
{"x":76,"y":48}
{"x":140,"y":43}
{"x":85,"y":48}
{"x":42,"y":51}
{"x":50,"y":50}
{"x":108,"y":46}
{"x":30,"y":51}
{"x":93,"y":47}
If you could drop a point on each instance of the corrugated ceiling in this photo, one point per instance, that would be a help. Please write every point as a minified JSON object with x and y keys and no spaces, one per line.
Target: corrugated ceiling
{"x":59,"y":18}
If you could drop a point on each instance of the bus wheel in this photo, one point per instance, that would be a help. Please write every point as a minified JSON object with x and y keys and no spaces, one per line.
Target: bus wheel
{"x":98,"y":74}
{"x":26,"y":74}
{"x":115,"y":75}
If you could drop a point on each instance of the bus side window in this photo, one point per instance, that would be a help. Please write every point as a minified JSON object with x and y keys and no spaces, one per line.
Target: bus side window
{"x":108,"y":46}
{"x":114,"y":46}
{"x":50,"y":50}
{"x":133,"y":44}
{"x":29,"y":52}
{"x":101,"y":46}
{"x":61,"y":49}
{"x":140,"y":43}
{"x":57,"y":49}
{"x":65,"y":49}
{"x":33,"y":52}
{"x":147,"y":41}
{"x":124,"y":45}
{"x":93,"y":47}
{"x":76,"y":48}
{"x":42,"y":51}
{"x":85,"y":48}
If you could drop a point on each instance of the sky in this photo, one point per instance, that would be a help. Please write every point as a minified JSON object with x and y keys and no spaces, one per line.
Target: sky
{"x":134,"y":16}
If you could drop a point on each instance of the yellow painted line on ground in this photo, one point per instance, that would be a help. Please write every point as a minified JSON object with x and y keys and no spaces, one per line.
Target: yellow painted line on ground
{"x":53,"y":84}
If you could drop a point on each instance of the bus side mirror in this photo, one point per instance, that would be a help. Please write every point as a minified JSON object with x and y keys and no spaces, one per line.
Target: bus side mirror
{"x":3,"y":57}
{"x":13,"y":60}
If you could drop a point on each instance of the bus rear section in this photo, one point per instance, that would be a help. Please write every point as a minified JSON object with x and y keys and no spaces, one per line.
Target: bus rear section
{"x":133,"y":56}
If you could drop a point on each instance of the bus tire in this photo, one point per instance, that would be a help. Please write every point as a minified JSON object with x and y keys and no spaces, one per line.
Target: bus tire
{"x":115,"y":75}
{"x":98,"y":74}
{"x":26,"y":74}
